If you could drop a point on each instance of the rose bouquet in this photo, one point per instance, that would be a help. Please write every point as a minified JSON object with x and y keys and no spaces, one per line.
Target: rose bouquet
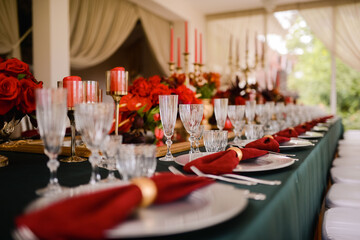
{"x":139,"y":109}
{"x":17,"y":93}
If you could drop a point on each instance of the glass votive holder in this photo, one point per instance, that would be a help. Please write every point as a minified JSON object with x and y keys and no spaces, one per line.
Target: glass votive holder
{"x":209,"y":140}
{"x":258,"y":131}
{"x":215,"y":140}
{"x":136,"y":160}
{"x":222,"y":137}
{"x":250,"y":131}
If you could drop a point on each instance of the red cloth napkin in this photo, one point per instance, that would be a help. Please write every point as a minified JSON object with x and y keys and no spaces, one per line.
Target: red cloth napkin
{"x":288,"y":132}
{"x":300,"y":129}
{"x":281,"y":139}
{"x":223,"y":162}
{"x":265,"y":143}
{"x":87,"y":216}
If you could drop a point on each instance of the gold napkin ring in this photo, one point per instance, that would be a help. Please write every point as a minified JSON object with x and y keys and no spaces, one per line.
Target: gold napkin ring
{"x":269,"y":136}
{"x":238,"y":152}
{"x":148,"y":190}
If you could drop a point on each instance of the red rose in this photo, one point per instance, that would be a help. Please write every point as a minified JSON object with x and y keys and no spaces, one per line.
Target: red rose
{"x":240,"y":100}
{"x":156,"y":117}
{"x":154,"y":81}
{"x":159,"y":133}
{"x":14,"y":67}
{"x":9,"y":91}
{"x":27,"y":96}
{"x":161,"y":89}
{"x":141,"y":87}
{"x":186,"y":96}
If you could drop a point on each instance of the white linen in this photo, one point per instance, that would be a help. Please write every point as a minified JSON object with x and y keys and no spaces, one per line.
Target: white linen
{"x":341,"y":224}
{"x":343,"y":195}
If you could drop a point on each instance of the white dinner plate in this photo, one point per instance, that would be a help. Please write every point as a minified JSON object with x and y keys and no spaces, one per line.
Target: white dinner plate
{"x":202,"y":208}
{"x":264,"y":163}
{"x":310,"y":135}
{"x":295,"y":143}
{"x":320,"y":129}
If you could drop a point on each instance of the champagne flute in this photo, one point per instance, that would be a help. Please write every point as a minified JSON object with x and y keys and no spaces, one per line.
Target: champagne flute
{"x":191,"y":116}
{"x":93,"y":121}
{"x":236,"y":116}
{"x":168,"y":105}
{"x":109,"y":148}
{"x":250,"y":111}
{"x":220,"y":109}
{"x":51,"y":108}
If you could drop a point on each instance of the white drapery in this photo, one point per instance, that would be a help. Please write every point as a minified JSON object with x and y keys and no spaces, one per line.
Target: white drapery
{"x":347,"y":29}
{"x":9,"y":29}
{"x":99,"y":28}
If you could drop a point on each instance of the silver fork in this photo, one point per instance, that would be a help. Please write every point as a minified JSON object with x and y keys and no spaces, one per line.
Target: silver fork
{"x":252,"y":195}
{"x":224,"y":179}
{"x":267,"y":182}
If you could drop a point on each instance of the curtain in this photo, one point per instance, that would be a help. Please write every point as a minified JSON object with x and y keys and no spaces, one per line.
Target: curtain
{"x":98,"y":28}
{"x":9,"y":29}
{"x":347,"y":19}
{"x":157,"y":31}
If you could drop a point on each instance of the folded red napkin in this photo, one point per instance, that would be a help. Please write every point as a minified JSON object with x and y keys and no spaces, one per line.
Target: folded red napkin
{"x":300,"y":129}
{"x":288,"y":132}
{"x":281,"y":139}
{"x":265,"y":143}
{"x":225,"y":161}
{"x":87,"y":216}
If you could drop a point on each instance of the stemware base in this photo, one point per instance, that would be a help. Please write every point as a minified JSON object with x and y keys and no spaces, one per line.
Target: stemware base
{"x":167,"y":159}
{"x":73,"y":159}
{"x":50,"y":189}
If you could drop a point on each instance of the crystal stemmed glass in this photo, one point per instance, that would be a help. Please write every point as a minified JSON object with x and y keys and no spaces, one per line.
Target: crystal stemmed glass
{"x":198,"y":135}
{"x":191,"y":116}
{"x":236,"y":116}
{"x":168,"y":105}
{"x":250,"y":111}
{"x":109,"y":148}
{"x":93,"y":121}
{"x":220,"y":109}
{"x":51,"y":109}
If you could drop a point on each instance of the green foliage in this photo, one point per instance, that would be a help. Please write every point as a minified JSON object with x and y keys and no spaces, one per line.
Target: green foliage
{"x":311,"y":77}
{"x":206,"y":91}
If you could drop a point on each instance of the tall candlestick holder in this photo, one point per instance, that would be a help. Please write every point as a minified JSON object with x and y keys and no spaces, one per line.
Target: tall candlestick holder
{"x":171,"y":68}
{"x":186,"y":68}
{"x":247,"y":69}
{"x":178,"y":70}
{"x":196,"y":72}
{"x":116,"y":87}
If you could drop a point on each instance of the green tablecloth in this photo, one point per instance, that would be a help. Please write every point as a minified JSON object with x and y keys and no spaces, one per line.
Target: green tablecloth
{"x":289,"y":212}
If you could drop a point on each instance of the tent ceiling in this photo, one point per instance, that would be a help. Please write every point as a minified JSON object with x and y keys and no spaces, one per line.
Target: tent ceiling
{"x":209,"y":7}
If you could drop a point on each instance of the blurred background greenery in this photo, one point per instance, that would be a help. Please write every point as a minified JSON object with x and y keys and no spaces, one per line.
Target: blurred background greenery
{"x":312,"y":73}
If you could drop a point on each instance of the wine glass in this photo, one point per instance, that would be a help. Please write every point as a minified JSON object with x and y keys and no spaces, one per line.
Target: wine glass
{"x":250,"y":111}
{"x":168,"y":105}
{"x":198,"y":135}
{"x":51,"y":108}
{"x":236,"y":116}
{"x":191,"y":116}
{"x":109,"y":148}
{"x":93,"y":121}
{"x":220,"y":109}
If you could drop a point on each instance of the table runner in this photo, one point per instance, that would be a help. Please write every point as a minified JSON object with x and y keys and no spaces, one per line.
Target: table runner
{"x":289,"y":212}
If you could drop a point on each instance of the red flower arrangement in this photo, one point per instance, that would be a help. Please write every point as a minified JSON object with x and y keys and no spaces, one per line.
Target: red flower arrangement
{"x":139,"y":110}
{"x":17,"y":91}
{"x":206,"y":85}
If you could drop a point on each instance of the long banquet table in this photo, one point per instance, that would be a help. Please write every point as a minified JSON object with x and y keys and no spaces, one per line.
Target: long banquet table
{"x":290,"y":210}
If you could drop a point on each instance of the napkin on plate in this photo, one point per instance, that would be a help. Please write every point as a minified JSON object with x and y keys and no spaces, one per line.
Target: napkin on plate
{"x":300,"y":129}
{"x":225,"y":161}
{"x":281,"y":139}
{"x":87,"y":216}
{"x":288,"y":132}
{"x":265,"y":143}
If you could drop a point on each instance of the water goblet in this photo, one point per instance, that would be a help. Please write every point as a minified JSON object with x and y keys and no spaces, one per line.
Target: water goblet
{"x":93,"y":121}
{"x":136,"y":160}
{"x":109,"y":149}
{"x":236,"y":116}
{"x":220,"y":109}
{"x":168,"y":105}
{"x":250,"y":111}
{"x":51,"y":109}
{"x":191,"y":116}
{"x":198,"y":135}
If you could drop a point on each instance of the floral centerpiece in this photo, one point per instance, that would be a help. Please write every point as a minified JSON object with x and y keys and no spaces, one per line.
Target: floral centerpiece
{"x":139,"y":109}
{"x":17,"y":94}
{"x":206,"y":84}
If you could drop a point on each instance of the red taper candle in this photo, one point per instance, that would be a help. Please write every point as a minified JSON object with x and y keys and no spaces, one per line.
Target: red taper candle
{"x":178,"y":53}
{"x":171,"y":45}
{"x":195,"y":45}
{"x":186,"y":38}
{"x":200,"y":48}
